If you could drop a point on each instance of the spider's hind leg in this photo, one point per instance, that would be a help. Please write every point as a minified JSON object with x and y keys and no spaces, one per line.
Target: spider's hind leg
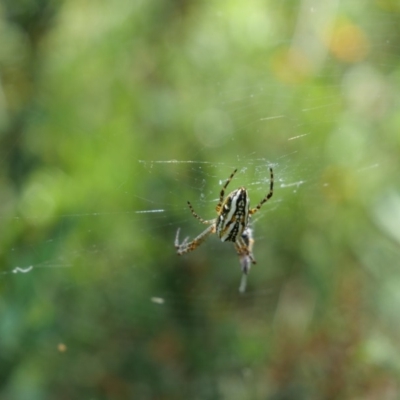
{"x":269,"y":194}
{"x":222,"y":193}
{"x":203,"y":221}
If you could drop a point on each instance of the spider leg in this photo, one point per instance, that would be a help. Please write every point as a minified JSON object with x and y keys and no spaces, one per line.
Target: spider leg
{"x":186,"y":247}
{"x":177,"y":239}
{"x":268,"y":196}
{"x":222,"y":193}
{"x":203,"y":221}
{"x":244,"y":246}
{"x":245,"y":253}
{"x":247,"y":237}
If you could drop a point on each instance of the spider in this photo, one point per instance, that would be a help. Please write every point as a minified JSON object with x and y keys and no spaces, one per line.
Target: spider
{"x":231,"y":225}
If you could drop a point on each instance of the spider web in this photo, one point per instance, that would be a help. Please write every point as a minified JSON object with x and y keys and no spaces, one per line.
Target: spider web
{"x":103,"y":273}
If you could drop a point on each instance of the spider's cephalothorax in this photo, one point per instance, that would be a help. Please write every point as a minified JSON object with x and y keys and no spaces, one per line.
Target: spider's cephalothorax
{"x":231,"y":225}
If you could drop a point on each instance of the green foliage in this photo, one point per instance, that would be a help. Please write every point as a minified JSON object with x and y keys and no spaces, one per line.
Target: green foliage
{"x":114,"y":114}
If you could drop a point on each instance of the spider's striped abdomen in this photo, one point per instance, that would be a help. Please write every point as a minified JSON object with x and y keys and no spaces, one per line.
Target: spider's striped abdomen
{"x":234,"y":215}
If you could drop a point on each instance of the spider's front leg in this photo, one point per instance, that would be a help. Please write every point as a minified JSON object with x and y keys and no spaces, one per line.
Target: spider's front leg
{"x":244,"y":248}
{"x":186,"y":247}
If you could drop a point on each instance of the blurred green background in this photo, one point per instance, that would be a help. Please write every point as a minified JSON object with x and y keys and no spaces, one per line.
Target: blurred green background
{"x":113,"y":114}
